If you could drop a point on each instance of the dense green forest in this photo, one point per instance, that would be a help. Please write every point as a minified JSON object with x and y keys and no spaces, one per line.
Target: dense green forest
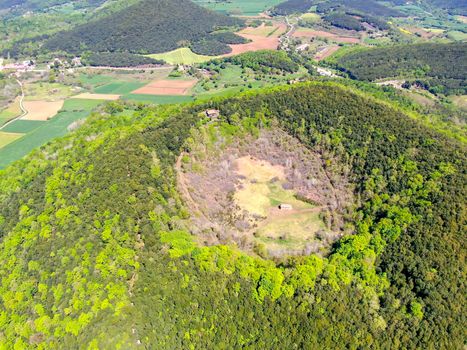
{"x":118,"y":59}
{"x":343,"y":20}
{"x":292,"y":6}
{"x":96,"y":250}
{"x":149,"y":26}
{"x":264,"y":60}
{"x":369,"y":7}
{"x":440,"y":68}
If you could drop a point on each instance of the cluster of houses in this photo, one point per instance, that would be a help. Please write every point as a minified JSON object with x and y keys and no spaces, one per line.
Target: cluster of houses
{"x":18,"y":67}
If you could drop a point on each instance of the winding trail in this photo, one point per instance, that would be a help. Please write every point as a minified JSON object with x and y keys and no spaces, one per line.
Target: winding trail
{"x":24,"y":112}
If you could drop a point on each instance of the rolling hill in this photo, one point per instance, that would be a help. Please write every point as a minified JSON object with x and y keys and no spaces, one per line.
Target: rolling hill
{"x":99,"y":249}
{"x":149,"y":26}
{"x":441,"y":68}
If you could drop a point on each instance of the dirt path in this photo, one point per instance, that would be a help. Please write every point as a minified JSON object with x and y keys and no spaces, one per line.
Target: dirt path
{"x":21,"y":105}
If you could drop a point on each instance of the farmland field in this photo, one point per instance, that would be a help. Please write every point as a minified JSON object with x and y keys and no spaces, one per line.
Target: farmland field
{"x":8,"y":137}
{"x":257,"y":43}
{"x":22,"y":126}
{"x":118,"y":88}
{"x":167,"y":87}
{"x":308,"y":33}
{"x":239,"y":7}
{"x":157,"y":99}
{"x":89,"y":96}
{"x":181,"y":56}
{"x":41,"y":110}
{"x":265,"y":30}
{"x":72,"y":110}
{"x":11,"y":112}
{"x":457,"y":35}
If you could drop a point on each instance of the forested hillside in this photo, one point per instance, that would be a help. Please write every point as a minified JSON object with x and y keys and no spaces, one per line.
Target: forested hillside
{"x":440,"y":68}
{"x":368,"y":7}
{"x":96,"y":251}
{"x":149,"y":26}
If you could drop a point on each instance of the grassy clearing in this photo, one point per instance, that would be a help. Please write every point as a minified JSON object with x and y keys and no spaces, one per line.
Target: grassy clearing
{"x":310,"y":17}
{"x":7,"y":138}
{"x":460,"y":101}
{"x":11,"y":112}
{"x":292,"y":231}
{"x":261,"y":193}
{"x":47,"y":91}
{"x":457,"y":35}
{"x":23,"y":126}
{"x":239,"y":7}
{"x":181,"y":56}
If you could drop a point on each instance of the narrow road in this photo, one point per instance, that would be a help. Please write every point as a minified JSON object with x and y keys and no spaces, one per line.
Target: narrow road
{"x":285,"y":39}
{"x":24,"y":112}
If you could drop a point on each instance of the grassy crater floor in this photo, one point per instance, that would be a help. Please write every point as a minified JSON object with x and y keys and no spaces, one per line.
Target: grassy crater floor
{"x":266,"y":193}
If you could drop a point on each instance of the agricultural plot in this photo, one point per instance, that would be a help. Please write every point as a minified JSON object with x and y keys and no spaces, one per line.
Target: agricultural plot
{"x":168,"y":87}
{"x":265,"y":30}
{"x":41,"y":110}
{"x":311,"y":34}
{"x":158,"y":99}
{"x":11,"y":112}
{"x":181,"y":56}
{"x":44,"y":91}
{"x":257,"y":43}
{"x":239,"y":7}
{"x":325,"y":52}
{"x":118,"y":88}
{"x":89,"y":96}
{"x":22,"y":126}
{"x":7,"y":138}
{"x":457,"y":35}
{"x":72,"y":111}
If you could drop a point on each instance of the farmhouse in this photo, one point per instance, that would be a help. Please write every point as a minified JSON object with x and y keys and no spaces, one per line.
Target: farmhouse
{"x":212,"y":113}
{"x":285,"y":206}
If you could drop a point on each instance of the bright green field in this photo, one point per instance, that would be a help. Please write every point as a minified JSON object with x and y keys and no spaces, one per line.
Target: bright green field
{"x":239,"y":7}
{"x":457,"y":35}
{"x":118,"y":88}
{"x":181,"y":56}
{"x":23,"y":126}
{"x":310,"y":17}
{"x":159,"y":99}
{"x":73,"y":110}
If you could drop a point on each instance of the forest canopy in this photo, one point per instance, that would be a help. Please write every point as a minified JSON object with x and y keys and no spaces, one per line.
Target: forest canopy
{"x":149,"y":26}
{"x":96,"y":249}
{"x":441,"y":68}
